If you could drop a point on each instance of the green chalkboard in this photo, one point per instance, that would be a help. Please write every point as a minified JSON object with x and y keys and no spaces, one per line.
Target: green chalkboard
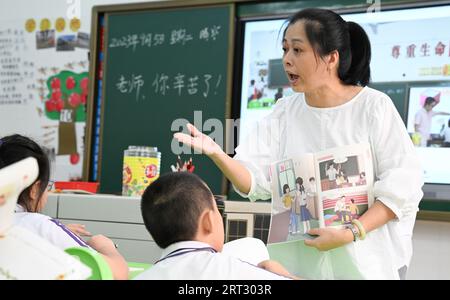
{"x":163,"y":68}
{"x":398,"y":92}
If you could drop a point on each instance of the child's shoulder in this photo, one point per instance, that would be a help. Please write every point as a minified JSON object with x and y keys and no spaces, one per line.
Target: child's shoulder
{"x":30,"y":216}
{"x":32,"y":220}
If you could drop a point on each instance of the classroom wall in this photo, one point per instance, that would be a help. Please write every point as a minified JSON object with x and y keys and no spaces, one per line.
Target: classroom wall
{"x":28,"y":66}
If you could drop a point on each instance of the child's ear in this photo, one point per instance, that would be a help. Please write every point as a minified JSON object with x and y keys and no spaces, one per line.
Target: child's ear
{"x":34,"y":191}
{"x":207,"y":221}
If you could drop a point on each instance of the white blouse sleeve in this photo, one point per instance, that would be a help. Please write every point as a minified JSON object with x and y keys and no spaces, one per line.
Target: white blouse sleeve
{"x":261,"y":148}
{"x":397,"y":166}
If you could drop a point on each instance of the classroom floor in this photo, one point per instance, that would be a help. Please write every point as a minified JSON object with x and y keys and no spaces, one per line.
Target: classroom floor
{"x":431,"y":246}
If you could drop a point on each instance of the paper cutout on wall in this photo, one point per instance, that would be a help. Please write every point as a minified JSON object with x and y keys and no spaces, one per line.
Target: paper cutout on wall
{"x":66,"y":103}
{"x":45,"y":24}
{"x":75,"y":24}
{"x":60,"y":24}
{"x":30,"y":25}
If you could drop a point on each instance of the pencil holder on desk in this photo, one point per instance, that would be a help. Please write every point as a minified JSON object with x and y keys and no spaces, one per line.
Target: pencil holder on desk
{"x":141,"y":166}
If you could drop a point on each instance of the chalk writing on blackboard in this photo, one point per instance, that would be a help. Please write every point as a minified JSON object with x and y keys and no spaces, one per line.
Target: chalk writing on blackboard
{"x":176,"y":37}
{"x":209,"y":33}
{"x":129,"y":85}
{"x":180,"y":36}
{"x":183,"y":84}
{"x":180,"y":84}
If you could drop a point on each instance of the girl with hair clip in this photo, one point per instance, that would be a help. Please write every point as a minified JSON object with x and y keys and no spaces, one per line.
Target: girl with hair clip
{"x":33,"y":199}
{"x":327,"y":62}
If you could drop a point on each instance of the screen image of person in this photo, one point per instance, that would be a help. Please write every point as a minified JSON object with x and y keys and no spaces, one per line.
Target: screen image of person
{"x":423,"y":120}
{"x":428,"y":126}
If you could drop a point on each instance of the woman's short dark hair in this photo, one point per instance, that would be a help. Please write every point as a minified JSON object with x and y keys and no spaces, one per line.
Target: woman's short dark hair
{"x":327,"y":31}
{"x":171,"y":207}
{"x":16,"y":147}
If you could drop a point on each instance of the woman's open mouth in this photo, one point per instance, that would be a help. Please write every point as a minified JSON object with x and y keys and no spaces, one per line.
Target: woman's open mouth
{"x":293,"y":78}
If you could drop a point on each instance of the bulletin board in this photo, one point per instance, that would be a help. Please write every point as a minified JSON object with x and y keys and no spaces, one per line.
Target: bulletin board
{"x":43,"y":87}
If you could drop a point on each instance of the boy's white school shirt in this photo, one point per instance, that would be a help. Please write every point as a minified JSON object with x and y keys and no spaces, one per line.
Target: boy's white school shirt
{"x":295,"y":128}
{"x":193,"y":260}
{"x":48,"y":228}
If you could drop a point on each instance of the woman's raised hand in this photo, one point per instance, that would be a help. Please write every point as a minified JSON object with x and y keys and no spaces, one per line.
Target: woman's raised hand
{"x":199,"y":141}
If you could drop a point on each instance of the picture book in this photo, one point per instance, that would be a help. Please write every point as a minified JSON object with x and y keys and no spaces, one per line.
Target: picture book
{"x":316,"y":190}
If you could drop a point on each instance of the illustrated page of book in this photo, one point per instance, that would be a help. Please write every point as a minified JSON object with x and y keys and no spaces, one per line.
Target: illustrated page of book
{"x":344,"y":184}
{"x":294,"y":208}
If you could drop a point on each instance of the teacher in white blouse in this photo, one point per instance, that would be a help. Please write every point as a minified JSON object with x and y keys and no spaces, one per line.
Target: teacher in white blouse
{"x":327,"y":62}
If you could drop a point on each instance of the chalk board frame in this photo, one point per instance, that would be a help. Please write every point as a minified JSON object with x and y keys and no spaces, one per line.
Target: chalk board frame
{"x":95,"y":117}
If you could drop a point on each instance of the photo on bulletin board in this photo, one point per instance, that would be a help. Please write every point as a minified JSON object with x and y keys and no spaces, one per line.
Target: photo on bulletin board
{"x":66,"y":43}
{"x":45,"y":39}
{"x":82,"y":40}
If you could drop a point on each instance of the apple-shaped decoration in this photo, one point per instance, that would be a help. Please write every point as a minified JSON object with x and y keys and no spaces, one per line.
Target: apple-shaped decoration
{"x":84,"y":84}
{"x":56,"y":95}
{"x":56,"y":83}
{"x":74,"y":100}
{"x":74,"y":158}
{"x":70,"y":83}
{"x":50,"y":105}
{"x":59,"y":105}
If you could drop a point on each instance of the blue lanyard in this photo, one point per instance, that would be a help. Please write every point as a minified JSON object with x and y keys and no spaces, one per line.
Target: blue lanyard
{"x":182,"y":251}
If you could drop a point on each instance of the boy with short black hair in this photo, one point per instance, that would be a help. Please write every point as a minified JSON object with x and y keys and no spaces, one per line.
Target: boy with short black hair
{"x":180,"y":213}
